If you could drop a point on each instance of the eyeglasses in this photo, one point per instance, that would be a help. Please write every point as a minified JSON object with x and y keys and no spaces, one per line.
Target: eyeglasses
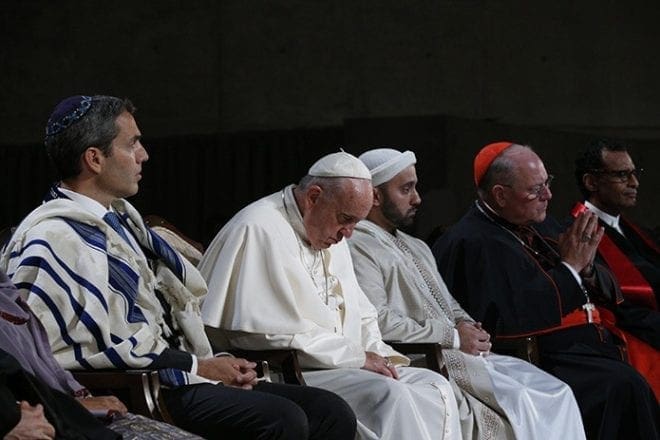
{"x":536,"y":191}
{"x":621,"y":176}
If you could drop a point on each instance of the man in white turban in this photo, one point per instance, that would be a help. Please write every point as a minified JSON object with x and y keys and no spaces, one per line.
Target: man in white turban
{"x":280,"y":276}
{"x":499,"y":396}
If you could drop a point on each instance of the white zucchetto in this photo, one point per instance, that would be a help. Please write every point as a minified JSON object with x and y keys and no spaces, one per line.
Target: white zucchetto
{"x":340,"y":164}
{"x":385,"y":163}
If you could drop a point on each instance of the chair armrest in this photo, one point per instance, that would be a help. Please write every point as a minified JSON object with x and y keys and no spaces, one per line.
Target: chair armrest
{"x":432,"y":353}
{"x":138,"y":389}
{"x":525,"y":348}
{"x":282,"y":361}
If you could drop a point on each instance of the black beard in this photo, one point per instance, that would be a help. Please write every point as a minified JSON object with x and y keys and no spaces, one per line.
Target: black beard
{"x":392,"y":214}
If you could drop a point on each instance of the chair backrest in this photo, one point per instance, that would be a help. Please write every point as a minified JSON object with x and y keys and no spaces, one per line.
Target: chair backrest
{"x":431,"y":351}
{"x":5,"y":235}
{"x":525,"y":348}
{"x":186,"y":246}
{"x":139,"y":389}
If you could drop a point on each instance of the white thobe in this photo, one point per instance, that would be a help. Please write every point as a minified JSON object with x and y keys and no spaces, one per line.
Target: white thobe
{"x":268,"y":289}
{"x":499,"y":396}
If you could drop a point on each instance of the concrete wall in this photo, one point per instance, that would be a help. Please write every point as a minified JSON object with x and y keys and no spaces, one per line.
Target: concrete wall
{"x":207,"y":66}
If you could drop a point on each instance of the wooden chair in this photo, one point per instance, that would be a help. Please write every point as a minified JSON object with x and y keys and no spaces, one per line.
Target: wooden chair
{"x":432,"y":353}
{"x":186,"y":246}
{"x":5,"y":235}
{"x":155,"y":221}
{"x":525,"y":348}
{"x":138,"y":389}
{"x":281,"y":362}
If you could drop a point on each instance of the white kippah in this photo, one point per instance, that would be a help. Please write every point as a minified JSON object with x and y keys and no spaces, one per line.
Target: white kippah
{"x":339,"y":164}
{"x":385,"y":163}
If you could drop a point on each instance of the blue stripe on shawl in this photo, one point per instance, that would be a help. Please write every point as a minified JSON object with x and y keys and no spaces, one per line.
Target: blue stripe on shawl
{"x":77,"y":278}
{"x":122,"y":277}
{"x":78,"y":309}
{"x":124,"y":280}
{"x":133,"y":341}
{"x":172,"y":376}
{"x":49,"y":302}
{"x":77,"y":350}
{"x":84,"y":317}
{"x":118,"y":340}
{"x":116,"y":359}
{"x":90,"y":234}
{"x":167,"y":254}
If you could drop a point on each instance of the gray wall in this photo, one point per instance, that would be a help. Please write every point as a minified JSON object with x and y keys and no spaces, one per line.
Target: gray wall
{"x":201,"y":67}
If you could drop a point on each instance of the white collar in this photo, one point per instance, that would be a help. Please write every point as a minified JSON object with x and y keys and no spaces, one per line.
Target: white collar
{"x":608,"y":219}
{"x":86,"y":202}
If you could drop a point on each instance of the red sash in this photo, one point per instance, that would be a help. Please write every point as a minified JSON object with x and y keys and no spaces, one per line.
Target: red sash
{"x":580,"y":317}
{"x":576,"y":318}
{"x":633,"y":284}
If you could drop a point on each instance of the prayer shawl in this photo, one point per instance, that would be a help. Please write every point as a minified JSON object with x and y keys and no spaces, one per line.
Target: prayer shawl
{"x":95,"y":295}
{"x":268,"y":289}
{"x":399,"y":275}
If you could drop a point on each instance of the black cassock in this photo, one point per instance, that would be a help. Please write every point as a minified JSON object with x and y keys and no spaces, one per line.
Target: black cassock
{"x":511,"y":279}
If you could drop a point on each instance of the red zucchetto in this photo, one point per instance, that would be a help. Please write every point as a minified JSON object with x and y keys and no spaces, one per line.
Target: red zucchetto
{"x":485,"y":157}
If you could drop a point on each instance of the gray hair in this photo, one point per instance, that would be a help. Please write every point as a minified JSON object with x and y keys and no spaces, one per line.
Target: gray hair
{"x":501,"y":171}
{"x":332,"y":185}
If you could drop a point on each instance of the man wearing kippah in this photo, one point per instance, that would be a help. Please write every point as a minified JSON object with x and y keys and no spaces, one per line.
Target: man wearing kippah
{"x":280,"y":276}
{"x":111,"y":294}
{"x":507,"y":397}
{"x":504,"y":265}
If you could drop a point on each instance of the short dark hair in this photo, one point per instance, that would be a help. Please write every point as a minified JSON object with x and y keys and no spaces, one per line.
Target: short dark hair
{"x":591,"y":159}
{"x":96,"y":128}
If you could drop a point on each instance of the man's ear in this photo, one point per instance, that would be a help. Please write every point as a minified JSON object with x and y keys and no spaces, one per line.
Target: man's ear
{"x":497,"y":192}
{"x":378,"y":197}
{"x":589,"y":182}
{"x":313,"y":194}
{"x":92,"y":159}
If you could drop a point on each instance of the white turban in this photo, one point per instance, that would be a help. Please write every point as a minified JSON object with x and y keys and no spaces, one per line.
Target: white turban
{"x":385,"y":163}
{"x":340,"y":164}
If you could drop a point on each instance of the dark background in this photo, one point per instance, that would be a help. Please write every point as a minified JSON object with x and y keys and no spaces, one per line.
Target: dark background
{"x":237,"y":98}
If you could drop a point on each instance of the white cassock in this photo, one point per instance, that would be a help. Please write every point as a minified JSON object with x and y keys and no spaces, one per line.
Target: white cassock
{"x":499,"y":396}
{"x":269,"y":290}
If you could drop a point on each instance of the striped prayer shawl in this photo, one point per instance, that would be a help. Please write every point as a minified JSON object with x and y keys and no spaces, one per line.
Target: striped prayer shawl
{"x":95,"y":294}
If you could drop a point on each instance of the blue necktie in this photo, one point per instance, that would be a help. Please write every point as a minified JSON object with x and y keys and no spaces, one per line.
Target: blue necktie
{"x":113,"y":220}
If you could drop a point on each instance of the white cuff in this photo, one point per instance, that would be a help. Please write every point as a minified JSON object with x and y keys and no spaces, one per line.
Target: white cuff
{"x":457,"y":340}
{"x":193,"y":367}
{"x":223,"y":354}
{"x":574,"y":272}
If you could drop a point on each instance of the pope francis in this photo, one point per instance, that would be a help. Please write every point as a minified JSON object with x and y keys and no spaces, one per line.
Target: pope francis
{"x":280,"y":275}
